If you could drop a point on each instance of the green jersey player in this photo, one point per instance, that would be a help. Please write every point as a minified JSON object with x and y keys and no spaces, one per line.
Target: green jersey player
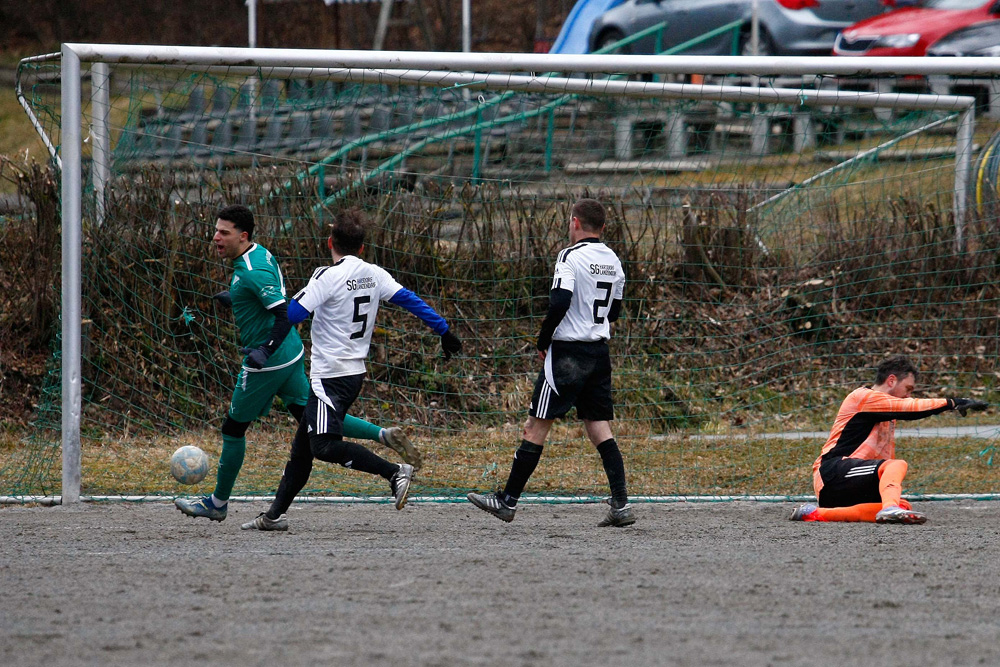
{"x":273,"y":361}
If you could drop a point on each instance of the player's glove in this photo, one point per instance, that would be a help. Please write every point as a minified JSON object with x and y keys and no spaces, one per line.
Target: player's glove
{"x":964,"y":405}
{"x":256,"y":356}
{"x":224,"y":299}
{"x":450,"y":344}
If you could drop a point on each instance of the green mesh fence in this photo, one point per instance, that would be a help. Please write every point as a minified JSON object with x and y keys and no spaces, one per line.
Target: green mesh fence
{"x":775,"y":254}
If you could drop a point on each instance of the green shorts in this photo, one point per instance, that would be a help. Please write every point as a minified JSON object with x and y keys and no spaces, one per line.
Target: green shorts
{"x":255,"y":390}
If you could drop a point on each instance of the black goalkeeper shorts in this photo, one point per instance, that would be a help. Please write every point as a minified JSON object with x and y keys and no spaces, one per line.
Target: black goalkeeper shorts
{"x":849,"y":482}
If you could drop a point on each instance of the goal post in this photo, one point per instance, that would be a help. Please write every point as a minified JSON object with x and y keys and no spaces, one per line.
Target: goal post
{"x":72,"y":235}
{"x":653,"y":99}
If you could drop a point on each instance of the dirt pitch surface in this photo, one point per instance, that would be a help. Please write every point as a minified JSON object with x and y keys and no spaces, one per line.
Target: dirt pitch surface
{"x":446,"y":584}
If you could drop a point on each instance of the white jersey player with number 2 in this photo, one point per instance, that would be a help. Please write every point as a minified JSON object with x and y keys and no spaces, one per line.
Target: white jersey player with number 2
{"x":586,"y":296}
{"x":593,"y":273}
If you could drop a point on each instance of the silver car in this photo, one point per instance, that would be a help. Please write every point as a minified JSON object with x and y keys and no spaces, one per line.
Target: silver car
{"x":787,"y":27}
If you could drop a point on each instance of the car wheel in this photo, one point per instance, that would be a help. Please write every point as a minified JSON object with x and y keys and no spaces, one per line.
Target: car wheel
{"x":765,"y":45}
{"x":609,"y":37}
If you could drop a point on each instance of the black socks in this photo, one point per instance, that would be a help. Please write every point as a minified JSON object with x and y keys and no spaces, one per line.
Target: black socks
{"x":525,"y":459}
{"x":614,"y":467}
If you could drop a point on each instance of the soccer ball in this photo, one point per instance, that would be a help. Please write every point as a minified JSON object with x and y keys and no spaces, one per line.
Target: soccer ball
{"x":189,"y":465}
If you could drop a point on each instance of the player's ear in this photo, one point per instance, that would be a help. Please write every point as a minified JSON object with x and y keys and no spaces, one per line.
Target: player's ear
{"x":329,"y":242}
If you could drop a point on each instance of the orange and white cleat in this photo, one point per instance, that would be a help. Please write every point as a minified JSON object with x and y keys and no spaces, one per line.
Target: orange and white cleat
{"x":807,"y":512}
{"x":897,"y":514}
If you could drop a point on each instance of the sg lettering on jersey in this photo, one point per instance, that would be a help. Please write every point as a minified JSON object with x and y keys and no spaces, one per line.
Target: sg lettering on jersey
{"x":602,"y":270}
{"x":367,"y":282}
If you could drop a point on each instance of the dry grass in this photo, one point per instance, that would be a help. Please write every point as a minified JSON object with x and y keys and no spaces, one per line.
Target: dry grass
{"x":456,"y":463}
{"x":17,"y":136}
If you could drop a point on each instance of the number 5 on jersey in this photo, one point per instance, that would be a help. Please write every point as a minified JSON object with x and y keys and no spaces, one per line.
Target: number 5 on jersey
{"x":360,"y":301}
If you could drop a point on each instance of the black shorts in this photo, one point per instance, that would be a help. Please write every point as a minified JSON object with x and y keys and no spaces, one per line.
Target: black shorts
{"x":849,"y":482}
{"x":329,"y":401}
{"x":581,"y":373}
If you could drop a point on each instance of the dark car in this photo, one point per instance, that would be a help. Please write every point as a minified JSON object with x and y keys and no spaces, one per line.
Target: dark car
{"x":787,"y":27}
{"x":981,"y":39}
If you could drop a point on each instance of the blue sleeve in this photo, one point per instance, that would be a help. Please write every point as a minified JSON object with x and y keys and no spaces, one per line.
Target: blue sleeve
{"x":296,"y":313}
{"x":418,"y":307}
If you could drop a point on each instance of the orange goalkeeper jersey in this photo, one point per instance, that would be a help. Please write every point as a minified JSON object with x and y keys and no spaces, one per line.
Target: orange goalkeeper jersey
{"x":865,"y":427}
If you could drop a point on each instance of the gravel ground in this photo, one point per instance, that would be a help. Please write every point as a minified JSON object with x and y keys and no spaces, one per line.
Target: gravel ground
{"x":445,"y":584}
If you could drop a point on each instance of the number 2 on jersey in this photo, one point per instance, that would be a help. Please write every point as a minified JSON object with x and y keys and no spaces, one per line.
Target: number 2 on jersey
{"x":603,"y":301}
{"x":362,"y":317}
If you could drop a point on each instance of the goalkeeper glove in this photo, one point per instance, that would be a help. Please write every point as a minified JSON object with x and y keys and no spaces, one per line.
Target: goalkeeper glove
{"x":450,"y":344}
{"x":256,"y":356}
{"x":224,"y":299}
{"x":964,"y":405}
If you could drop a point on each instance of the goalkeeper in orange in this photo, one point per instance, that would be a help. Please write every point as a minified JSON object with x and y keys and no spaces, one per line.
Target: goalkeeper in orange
{"x":857,"y":477}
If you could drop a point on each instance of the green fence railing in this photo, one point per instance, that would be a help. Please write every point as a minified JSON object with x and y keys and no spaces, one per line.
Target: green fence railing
{"x":476,"y":128}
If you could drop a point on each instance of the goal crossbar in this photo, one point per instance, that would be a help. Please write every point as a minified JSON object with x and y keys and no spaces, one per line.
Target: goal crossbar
{"x":534,"y":62}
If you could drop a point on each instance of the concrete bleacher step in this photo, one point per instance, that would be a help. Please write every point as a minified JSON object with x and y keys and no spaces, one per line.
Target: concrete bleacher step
{"x":892,"y":154}
{"x":639,"y":166}
{"x":587,"y":137}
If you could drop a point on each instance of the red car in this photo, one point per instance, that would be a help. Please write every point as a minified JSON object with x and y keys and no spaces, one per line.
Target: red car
{"x":908,"y":31}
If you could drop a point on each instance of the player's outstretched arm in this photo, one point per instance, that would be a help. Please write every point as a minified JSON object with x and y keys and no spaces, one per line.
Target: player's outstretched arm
{"x":965,"y":405}
{"x":258,"y":356}
{"x":450,"y":343}
{"x":883,"y":407}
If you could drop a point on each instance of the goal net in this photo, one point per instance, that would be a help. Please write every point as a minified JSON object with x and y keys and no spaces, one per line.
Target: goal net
{"x":782,"y":230}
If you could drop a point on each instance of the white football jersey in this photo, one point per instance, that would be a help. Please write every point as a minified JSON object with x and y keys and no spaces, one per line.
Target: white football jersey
{"x":593,"y":273}
{"x":344,"y":300}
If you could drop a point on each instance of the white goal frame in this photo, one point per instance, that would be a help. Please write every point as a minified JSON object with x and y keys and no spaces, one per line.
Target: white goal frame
{"x":469,"y":70}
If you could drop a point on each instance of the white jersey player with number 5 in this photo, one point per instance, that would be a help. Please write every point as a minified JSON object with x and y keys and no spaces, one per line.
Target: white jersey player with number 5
{"x":349,"y":293}
{"x":343,"y":300}
{"x":586,"y":296}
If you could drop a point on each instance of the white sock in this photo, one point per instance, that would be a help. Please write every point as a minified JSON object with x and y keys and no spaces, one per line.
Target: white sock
{"x":219,"y":504}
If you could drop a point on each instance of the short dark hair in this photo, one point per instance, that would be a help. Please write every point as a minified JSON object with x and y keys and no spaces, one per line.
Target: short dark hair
{"x":240,"y":216}
{"x":347,"y":232}
{"x":590,"y":213}
{"x":899,"y":366}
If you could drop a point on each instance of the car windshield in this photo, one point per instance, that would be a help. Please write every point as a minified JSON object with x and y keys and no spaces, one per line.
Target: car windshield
{"x":952,"y":4}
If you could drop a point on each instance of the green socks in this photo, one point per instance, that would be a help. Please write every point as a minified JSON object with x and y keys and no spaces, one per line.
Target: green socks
{"x":230,"y":462}
{"x":359,"y":429}
{"x":234,"y":449}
